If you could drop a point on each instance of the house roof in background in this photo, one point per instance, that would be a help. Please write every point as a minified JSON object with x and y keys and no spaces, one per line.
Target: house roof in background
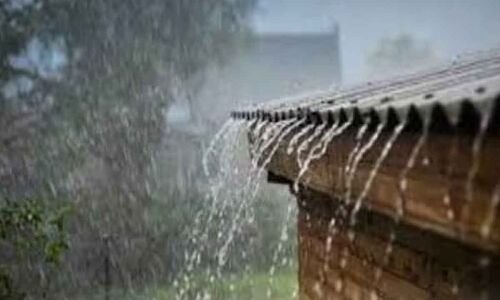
{"x":271,"y":66}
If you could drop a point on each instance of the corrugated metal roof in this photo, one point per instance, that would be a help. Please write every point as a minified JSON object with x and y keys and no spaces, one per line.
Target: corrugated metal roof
{"x":445,"y":94}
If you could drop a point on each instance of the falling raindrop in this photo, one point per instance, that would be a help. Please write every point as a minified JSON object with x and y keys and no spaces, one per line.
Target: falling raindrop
{"x":318,"y":150}
{"x":354,"y":152}
{"x":474,"y":168}
{"x":400,"y":199}
{"x":491,"y":213}
{"x":376,"y":167}
{"x":295,"y":139}
{"x":304,"y":145}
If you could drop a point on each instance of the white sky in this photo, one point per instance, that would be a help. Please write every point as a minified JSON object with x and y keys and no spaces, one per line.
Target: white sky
{"x":451,"y":26}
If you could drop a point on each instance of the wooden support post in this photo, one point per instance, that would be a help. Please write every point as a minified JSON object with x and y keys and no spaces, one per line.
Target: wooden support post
{"x":107,"y":268}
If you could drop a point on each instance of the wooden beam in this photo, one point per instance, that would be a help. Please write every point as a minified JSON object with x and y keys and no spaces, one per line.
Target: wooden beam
{"x":442,"y":168}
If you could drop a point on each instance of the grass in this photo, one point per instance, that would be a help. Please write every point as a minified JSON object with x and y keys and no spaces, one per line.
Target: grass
{"x":258,"y":286}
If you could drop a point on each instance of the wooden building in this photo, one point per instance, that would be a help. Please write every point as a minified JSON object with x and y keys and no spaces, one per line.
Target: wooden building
{"x":401,"y":198}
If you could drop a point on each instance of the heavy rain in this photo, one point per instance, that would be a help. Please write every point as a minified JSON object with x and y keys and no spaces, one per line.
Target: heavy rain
{"x":249,"y":149}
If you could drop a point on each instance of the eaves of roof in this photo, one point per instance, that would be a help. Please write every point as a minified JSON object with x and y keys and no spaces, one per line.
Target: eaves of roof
{"x":461,"y":93}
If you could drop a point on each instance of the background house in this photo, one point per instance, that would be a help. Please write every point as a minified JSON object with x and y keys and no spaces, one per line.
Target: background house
{"x":269,"y":66}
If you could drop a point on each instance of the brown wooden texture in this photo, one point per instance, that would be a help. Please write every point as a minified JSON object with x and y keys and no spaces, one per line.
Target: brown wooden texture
{"x":442,"y":167}
{"x":422,"y":265}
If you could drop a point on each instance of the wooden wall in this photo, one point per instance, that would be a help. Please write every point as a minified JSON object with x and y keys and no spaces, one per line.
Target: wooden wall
{"x":440,"y":249}
{"x":442,"y":167}
{"x":357,"y":264}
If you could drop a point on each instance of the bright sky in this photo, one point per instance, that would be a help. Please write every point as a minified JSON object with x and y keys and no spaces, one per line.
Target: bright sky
{"x":451,"y":26}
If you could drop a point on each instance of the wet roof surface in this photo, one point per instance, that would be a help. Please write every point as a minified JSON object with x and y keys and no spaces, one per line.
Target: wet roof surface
{"x":450,"y":94}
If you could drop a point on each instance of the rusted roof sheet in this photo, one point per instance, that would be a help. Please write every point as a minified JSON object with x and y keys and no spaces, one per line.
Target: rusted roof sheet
{"x":446,"y":94}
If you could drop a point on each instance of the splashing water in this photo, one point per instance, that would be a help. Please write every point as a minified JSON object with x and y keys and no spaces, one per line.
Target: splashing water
{"x":352,"y":170}
{"x":250,"y":188}
{"x":385,"y":151}
{"x":490,"y":218}
{"x":373,"y":173}
{"x":228,"y":197}
{"x":231,"y":198}
{"x":262,"y":133}
{"x":347,"y":170}
{"x":284,"y":236}
{"x":295,"y":139}
{"x":400,"y":202}
{"x":281,"y":138}
{"x":233,"y":187}
{"x":227,"y":125}
{"x":224,"y":171}
{"x":358,"y":157}
{"x":474,"y":169}
{"x":450,"y":213}
{"x":318,"y":150}
{"x":305,"y":143}
{"x":276,"y":130}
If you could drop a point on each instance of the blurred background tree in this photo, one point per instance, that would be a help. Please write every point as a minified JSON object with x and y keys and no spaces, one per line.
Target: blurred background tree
{"x":85,"y":87}
{"x":400,"y":54}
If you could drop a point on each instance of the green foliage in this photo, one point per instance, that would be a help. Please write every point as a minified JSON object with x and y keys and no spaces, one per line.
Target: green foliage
{"x":125,"y":62}
{"x":92,"y":127}
{"x":30,"y":225}
{"x":7,"y":291}
{"x":30,"y":230}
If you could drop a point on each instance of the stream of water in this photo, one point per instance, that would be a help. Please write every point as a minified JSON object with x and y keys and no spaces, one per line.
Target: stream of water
{"x":235,"y":181}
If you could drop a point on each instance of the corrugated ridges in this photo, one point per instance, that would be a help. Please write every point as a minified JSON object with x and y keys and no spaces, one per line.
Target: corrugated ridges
{"x":446,"y":95}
